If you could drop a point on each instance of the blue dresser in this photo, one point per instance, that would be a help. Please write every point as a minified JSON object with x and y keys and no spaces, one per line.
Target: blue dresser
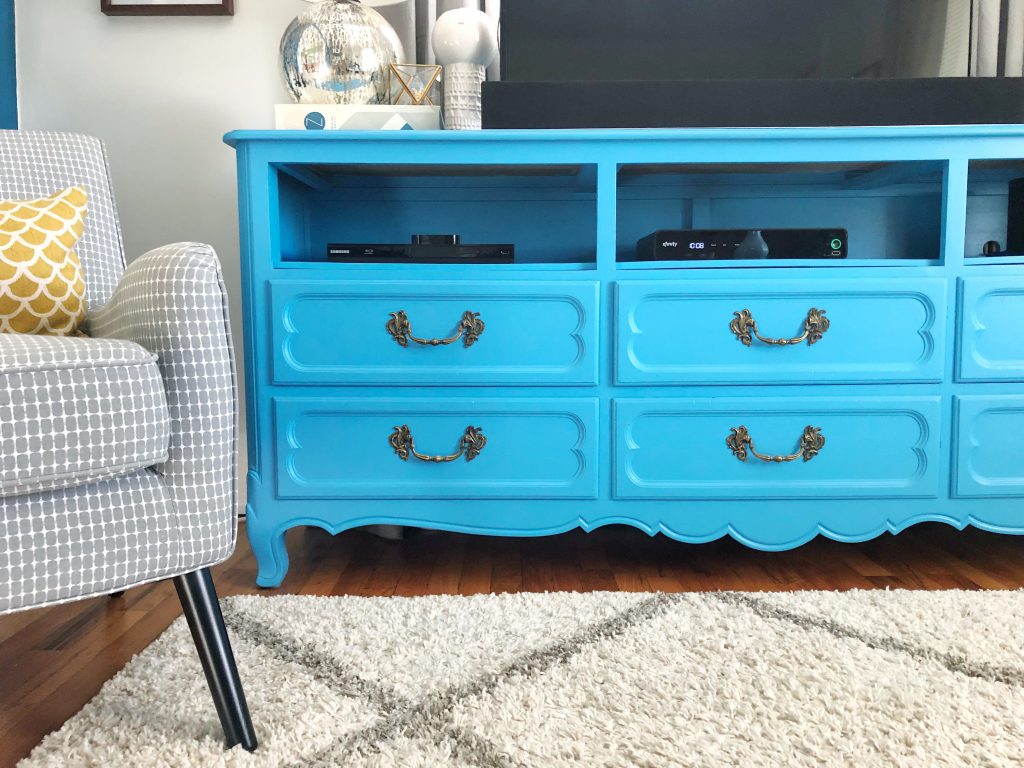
{"x":771,"y":400}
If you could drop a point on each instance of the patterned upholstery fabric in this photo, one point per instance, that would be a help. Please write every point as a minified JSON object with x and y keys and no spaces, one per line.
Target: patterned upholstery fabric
{"x":179,"y":515}
{"x":173,"y":302}
{"x":74,"y":410}
{"x":38,"y":163}
{"x":88,"y":540}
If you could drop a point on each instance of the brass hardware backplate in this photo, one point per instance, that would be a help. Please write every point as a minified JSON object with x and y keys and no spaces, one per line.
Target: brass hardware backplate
{"x":740,"y":442}
{"x":469,"y":330}
{"x":744,"y":326}
{"x":472,"y":443}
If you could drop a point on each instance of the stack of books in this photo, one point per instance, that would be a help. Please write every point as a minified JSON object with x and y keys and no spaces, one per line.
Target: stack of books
{"x":357,"y":117}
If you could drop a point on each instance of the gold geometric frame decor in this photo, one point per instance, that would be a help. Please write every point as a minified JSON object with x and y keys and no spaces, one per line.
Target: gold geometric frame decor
{"x":414,"y":84}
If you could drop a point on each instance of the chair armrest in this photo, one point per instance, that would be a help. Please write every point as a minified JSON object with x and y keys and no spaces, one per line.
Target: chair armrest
{"x":172,"y":301}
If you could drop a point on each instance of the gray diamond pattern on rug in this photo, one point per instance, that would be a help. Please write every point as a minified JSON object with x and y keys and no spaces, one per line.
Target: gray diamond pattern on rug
{"x":599,"y":679}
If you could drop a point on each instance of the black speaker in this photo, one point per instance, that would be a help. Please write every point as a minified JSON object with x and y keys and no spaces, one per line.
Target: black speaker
{"x":1015,"y":218}
{"x":754,"y":103}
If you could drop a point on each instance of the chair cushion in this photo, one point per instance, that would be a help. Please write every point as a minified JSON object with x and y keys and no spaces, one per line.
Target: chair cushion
{"x":74,"y":410}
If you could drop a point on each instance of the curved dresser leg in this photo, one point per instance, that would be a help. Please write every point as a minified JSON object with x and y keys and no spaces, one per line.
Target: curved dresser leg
{"x":269,"y":549}
{"x":202,"y":611}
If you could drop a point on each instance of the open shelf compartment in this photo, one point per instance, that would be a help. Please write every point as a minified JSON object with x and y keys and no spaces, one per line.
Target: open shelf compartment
{"x":989,"y":184}
{"x":891,"y":211}
{"x":548,"y":212}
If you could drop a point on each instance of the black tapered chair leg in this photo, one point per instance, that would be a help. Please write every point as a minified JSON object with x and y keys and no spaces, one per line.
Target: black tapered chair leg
{"x":202,"y":610}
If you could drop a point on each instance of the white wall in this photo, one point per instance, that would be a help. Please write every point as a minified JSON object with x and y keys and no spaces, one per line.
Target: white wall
{"x":161,"y":92}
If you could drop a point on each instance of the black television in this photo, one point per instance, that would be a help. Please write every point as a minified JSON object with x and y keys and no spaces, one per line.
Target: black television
{"x":612,"y":63}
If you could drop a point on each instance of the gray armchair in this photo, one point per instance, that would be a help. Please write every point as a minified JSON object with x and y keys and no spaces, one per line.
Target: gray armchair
{"x":117,"y":451}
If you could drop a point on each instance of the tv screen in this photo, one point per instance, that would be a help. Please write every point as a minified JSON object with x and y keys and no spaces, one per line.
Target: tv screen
{"x":611,"y":40}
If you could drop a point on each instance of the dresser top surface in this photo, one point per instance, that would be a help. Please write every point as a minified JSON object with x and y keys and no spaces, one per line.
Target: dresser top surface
{"x":236,"y":138}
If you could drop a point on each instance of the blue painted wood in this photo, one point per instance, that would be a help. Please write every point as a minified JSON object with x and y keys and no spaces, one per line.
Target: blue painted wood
{"x":987,"y":464}
{"x":8,"y":67}
{"x":992,"y":316}
{"x":882,"y":447}
{"x":677,"y":332}
{"x":805,"y":196}
{"x":338,"y":448}
{"x":494,"y":208}
{"x":631,"y":366}
{"x":533,"y":332}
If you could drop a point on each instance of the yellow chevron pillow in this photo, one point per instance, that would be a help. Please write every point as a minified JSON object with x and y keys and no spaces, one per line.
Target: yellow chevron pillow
{"x":42,"y":289}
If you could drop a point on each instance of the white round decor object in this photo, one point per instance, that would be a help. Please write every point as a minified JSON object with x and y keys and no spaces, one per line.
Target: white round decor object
{"x":464,"y":36}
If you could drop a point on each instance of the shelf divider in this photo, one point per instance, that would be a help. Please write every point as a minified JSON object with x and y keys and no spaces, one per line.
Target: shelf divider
{"x":607,"y":213}
{"x":954,"y":211}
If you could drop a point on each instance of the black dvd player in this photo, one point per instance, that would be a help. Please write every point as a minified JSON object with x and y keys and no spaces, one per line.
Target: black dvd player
{"x":725,"y":244}
{"x":421,"y":253}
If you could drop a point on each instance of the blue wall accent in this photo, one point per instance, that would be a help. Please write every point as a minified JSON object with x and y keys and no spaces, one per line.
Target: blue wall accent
{"x":8,"y":75}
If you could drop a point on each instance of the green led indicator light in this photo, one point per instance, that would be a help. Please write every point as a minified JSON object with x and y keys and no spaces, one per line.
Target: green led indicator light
{"x":836,"y":243}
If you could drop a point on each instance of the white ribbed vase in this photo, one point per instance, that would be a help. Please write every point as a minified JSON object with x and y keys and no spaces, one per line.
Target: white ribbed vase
{"x":462,"y":96}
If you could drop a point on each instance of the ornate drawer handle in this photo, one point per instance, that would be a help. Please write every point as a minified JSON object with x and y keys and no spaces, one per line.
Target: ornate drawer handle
{"x":744,"y":326}
{"x":739,"y":442}
{"x":469,"y":330}
{"x":472,"y":442}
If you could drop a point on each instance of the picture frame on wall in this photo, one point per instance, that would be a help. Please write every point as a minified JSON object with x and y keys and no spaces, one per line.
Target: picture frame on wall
{"x":168,"y":7}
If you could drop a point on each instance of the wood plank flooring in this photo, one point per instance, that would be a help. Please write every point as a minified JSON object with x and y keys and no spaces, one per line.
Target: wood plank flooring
{"x":52,"y":661}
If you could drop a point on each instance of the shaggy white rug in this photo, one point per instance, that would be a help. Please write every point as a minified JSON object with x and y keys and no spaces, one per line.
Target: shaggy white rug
{"x":602,"y":679}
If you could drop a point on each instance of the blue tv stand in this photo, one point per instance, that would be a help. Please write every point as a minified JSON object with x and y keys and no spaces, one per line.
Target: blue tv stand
{"x":768,"y":400}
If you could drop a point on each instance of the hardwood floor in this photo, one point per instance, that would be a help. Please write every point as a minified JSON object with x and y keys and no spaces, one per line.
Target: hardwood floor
{"x":52,"y":661}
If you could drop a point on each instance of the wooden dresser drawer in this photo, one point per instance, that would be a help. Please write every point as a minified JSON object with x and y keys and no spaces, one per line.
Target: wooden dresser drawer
{"x":353,"y":448}
{"x":872,"y":447}
{"x":987,"y":460}
{"x":381,"y":332}
{"x":697,"y":331}
{"x":991,"y":319}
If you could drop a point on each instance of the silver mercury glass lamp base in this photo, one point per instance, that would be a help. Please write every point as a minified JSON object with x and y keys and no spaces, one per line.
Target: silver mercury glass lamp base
{"x":339,"y":52}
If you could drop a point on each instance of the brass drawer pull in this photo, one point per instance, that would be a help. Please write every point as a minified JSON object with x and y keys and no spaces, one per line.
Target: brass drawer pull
{"x":469,"y":329}
{"x":739,"y":442}
{"x":744,"y":326}
{"x":472,"y":442}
